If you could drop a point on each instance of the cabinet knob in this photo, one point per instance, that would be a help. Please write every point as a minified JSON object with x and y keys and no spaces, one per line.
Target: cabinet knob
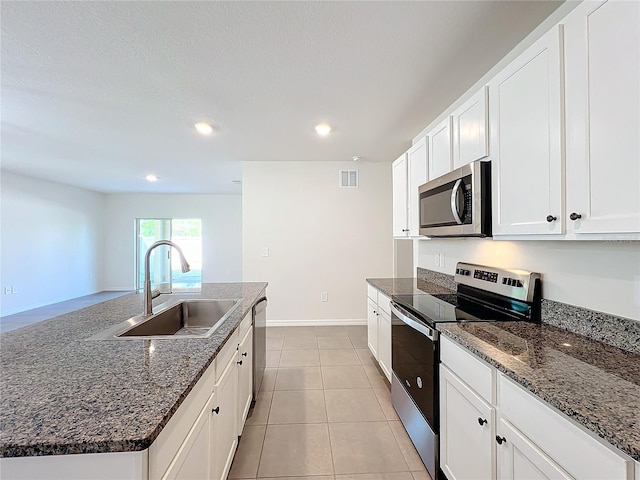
{"x":216,"y":410}
{"x":500,"y":440}
{"x":575,"y":216}
{"x":482,"y":421}
{"x":551,"y":218}
{"x":244,"y":354}
{"x":405,"y":229}
{"x":239,"y":363}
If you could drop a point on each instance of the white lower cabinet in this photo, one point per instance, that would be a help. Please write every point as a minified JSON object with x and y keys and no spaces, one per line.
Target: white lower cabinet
{"x":223,"y":423}
{"x":508,"y":433}
{"x":384,"y":342}
{"x":466,"y":425}
{"x":379,"y":328}
{"x":188,"y":463}
{"x":519,"y":458}
{"x":245,"y":378}
{"x":372,"y":327}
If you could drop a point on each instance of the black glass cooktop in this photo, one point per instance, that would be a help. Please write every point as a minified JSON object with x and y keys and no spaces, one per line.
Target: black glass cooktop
{"x":439,"y":308}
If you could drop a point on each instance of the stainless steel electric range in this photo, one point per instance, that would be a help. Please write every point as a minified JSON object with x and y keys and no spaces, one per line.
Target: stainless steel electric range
{"x":483,"y":294}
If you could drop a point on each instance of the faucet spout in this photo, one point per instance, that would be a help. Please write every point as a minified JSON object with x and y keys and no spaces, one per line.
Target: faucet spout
{"x":148,"y":294}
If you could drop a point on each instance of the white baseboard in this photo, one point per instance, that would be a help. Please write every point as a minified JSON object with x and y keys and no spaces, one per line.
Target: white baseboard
{"x":317,"y":323}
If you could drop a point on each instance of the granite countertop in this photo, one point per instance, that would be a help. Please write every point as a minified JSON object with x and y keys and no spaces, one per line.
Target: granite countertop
{"x":61,"y":394}
{"x":406,"y":286}
{"x":595,"y":384}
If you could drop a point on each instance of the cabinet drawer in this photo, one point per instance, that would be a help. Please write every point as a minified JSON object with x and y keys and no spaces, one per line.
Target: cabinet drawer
{"x":473,"y":371}
{"x":574,"y":449}
{"x":245,"y":325}
{"x":383,"y":302}
{"x":372,"y":293}
{"x":228,"y":351}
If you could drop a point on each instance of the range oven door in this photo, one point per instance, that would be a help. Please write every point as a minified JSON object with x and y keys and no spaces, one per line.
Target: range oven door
{"x":414,"y":383}
{"x":414,"y":361}
{"x":458,"y":203}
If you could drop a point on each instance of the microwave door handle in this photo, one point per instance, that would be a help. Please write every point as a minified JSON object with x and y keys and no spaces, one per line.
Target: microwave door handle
{"x":454,"y":201}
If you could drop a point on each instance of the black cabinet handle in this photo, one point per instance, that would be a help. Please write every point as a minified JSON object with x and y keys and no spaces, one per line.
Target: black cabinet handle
{"x":244,"y":354}
{"x":216,"y":410}
{"x":500,"y":440}
{"x":482,"y":421}
{"x":575,"y":216}
{"x":239,"y":363}
{"x":551,"y":218}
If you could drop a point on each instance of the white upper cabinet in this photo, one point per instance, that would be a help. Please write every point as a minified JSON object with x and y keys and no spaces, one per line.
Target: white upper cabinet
{"x":417,"y":158}
{"x":440,"y":149}
{"x":471,"y":129}
{"x":525,"y":111}
{"x":400,"y":206}
{"x":602,"y":69}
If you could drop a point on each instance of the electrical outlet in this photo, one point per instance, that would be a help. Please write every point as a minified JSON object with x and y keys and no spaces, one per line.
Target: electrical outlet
{"x":265,"y":251}
{"x":7,"y":290}
{"x":14,"y":290}
{"x":324,"y":297}
{"x":442,"y":260}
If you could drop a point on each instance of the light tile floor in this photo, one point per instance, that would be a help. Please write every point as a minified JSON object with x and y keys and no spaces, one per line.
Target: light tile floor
{"x":22,"y":319}
{"x":324,"y":412}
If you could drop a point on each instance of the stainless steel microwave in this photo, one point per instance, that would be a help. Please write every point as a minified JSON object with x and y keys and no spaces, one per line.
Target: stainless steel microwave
{"x":457,"y":204}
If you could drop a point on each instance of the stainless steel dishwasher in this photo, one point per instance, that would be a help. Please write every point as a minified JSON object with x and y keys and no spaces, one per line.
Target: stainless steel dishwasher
{"x":259,"y":344}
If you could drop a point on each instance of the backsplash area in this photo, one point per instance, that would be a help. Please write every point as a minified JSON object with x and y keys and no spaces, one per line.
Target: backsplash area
{"x":620,"y":332}
{"x":599,"y":275}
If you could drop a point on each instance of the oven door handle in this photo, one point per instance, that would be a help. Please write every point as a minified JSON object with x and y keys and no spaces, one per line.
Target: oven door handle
{"x":426,"y":331}
{"x":454,"y":201}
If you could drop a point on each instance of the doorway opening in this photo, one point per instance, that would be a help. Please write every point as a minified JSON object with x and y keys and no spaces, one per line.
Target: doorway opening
{"x":166,"y":274}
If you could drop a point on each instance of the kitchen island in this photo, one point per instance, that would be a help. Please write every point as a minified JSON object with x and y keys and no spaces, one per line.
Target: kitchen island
{"x":63,"y":394}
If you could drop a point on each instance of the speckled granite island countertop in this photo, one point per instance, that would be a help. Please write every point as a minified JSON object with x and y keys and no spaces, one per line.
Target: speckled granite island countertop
{"x":62,"y":394}
{"x":595,"y":384}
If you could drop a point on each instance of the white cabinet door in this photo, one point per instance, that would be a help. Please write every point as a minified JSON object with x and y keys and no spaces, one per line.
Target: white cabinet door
{"x":520,"y":459}
{"x":372,"y":327}
{"x":525,"y":101}
{"x":471,"y":129}
{"x":223,"y":430}
{"x":245,"y":378}
{"x":602,"y":59}
{"x":384,"y":342}
{"x":400,"y":206}
{"x":192,"y":460}
{"x":466,"y":431}
{"x":440,"y":149}
{"x":417,"y":158}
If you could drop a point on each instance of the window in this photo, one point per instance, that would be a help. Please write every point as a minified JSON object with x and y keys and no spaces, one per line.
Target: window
{"x":166,"y":274}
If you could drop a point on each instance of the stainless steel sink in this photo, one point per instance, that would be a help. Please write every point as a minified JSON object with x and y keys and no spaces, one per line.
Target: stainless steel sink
{"x":184,"y":319}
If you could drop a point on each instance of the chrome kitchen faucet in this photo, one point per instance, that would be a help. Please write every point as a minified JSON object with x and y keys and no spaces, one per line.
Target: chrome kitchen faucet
{"x":148,"y":294}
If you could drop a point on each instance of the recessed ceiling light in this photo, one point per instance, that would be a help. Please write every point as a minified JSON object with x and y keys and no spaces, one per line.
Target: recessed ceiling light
{"x":204,"y":128}
{"x":323,"y":129}
{"x":151,"y":178}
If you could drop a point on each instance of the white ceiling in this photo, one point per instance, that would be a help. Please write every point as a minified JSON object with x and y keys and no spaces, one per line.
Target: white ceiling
{"x":98,"y":94}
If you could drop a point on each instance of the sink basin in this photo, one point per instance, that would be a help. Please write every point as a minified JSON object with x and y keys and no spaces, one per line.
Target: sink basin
{"x":184,"y":319}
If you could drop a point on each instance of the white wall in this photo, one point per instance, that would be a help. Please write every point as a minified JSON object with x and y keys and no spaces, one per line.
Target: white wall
{"x":320,"y":237}
{"x":221,"y":233}
{"x":599,"y":275}
{"x":51,"y":242}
